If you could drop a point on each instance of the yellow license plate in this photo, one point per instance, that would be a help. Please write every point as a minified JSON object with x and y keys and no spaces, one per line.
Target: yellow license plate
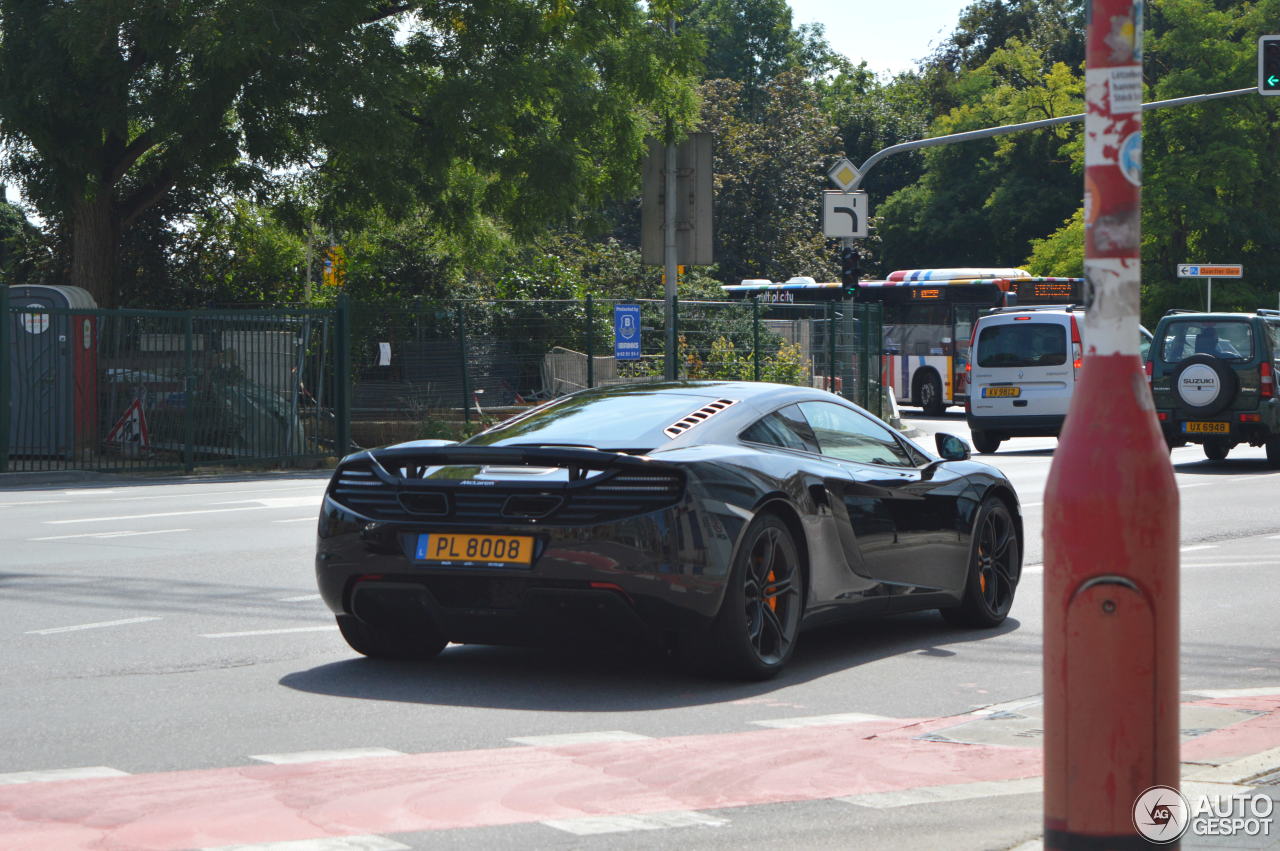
{"x":451,"y":548}
{"x":1000,"y":392}
{"x":1206,"y":428}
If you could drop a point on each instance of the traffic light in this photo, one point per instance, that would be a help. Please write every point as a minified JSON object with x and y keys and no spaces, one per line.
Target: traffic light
{"x":849,"y":270}
{"x":1269,"y":65}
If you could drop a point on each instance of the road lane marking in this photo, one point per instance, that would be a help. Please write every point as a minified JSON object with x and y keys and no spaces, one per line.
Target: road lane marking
{"x":107,"y":535}
{"x":253,"y":632}
{"x":941,"y":794}
{"x":593,"y":825}
{"x":1201,"y":547}
{"x":277,"y":501}
{"x":55,"y":774}
{"x":337,"y":843}
{"x":98,"y":625}
{"x":324,"y":756}
{"x":308,"y":519}
{"x":167,"y":514}
{"x":185,"y":494}
{"x":563,"y":739}
{"x":1263,"y":691}
{"x":34,"y":502}
{"x":300,"y":599}
{"x":820,"y":720}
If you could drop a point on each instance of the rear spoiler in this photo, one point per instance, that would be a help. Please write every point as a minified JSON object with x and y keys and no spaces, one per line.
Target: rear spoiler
{"x":387,"y":464}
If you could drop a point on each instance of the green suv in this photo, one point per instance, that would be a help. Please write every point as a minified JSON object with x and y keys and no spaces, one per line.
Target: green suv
{"x":1213,"y":376}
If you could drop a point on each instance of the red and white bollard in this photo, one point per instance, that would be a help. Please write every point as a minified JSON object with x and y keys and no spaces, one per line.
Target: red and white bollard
{"x":1111,"y":504}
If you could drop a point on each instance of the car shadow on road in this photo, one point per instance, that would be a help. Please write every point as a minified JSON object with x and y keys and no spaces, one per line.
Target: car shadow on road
{"x":1229,"y":467}
{"x":597,"y":678}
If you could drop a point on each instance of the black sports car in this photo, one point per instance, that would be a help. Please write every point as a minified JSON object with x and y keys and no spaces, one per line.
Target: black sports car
{"x":715,"y":518}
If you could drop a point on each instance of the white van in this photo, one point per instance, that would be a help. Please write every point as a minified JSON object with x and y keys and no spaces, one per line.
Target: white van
{"x":1023,"y":366}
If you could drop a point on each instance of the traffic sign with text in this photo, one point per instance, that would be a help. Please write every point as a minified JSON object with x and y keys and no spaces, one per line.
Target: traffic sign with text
{"x":1204,"y":270}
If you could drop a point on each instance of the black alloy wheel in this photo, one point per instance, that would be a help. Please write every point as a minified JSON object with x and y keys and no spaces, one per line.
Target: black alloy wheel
{"x":755,"y":633}
{"x":986,"y":442}
{"x":995,"y":566}
{"x":1216,"y":449}
{"x":377,"y":642}
{"x":929,"y":394}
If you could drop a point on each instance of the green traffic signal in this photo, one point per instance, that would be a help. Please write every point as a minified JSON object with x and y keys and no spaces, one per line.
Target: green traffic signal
{"x":1269,"y":65}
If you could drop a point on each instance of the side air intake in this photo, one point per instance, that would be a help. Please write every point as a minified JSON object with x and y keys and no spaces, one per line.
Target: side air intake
{"x":703,"y":414}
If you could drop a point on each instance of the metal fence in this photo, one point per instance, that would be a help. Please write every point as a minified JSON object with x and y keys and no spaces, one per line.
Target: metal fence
{"x":121,"y":390}
{"x":441,"y":369}
{"x":132,"y":390}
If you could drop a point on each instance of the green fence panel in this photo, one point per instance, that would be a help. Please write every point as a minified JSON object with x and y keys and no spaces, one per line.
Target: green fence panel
{"x":142,"y":390}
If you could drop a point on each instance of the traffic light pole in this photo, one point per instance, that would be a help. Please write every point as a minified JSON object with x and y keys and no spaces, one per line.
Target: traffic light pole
{"x":1111,"y":507}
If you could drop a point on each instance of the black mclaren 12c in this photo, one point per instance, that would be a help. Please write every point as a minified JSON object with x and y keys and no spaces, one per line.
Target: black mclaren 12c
{"x":714,"y":519}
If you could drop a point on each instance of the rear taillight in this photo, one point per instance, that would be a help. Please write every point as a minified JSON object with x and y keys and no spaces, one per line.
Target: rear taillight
{"x":1077,"y":348}
{"x":1266,"y":381}
{"x":1149,"y":369}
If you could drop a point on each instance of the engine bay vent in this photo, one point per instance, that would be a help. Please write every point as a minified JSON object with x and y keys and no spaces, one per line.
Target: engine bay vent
{"x":701,"y":415}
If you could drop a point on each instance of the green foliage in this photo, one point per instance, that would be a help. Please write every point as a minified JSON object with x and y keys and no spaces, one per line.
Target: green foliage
{"x":520,"y":111}
{"x":770,"y":173}
{"x":981,"y":203}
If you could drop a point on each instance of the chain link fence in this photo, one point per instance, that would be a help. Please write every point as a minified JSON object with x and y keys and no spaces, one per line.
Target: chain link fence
{"x":444,"y":369}
{"x":136,"y":390}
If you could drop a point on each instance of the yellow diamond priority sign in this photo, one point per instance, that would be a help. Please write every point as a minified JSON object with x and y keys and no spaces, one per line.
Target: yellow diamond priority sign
{"x":844,"y":174}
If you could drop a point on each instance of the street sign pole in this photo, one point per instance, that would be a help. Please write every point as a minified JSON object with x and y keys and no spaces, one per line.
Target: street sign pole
{"x":1110,"y":595}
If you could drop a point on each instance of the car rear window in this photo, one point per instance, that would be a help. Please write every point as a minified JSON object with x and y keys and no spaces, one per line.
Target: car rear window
{"x":1022,"y":343}
{"x":1223,"y":338}
{"x":634,"y":420}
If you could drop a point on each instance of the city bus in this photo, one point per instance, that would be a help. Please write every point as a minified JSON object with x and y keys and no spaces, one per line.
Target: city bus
{"x":928,"y":319}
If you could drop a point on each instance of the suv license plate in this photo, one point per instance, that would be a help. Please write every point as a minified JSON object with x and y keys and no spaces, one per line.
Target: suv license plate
{"x":1206,"y":428}
{"x":1000,"y":392}
{"x":453,"y":548}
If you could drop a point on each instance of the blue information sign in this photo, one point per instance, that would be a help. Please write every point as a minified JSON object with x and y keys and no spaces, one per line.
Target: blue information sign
{"x":626,"y":331}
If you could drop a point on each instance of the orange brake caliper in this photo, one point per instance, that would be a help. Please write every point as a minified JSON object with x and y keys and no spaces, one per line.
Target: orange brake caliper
{"x":773,"y":598}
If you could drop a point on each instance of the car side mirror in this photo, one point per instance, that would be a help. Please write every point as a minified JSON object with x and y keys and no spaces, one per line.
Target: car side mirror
{"x":950,"y":447}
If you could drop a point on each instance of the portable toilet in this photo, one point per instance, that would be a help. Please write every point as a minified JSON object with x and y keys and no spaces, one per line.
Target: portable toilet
{"x":54,"y":370}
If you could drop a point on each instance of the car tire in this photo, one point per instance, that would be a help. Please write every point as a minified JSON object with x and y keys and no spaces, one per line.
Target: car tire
{"x":1228,"y":385}
{"x":1273,"y":452}
{"x":986,"y":442}
{"x":929,"y":395}
{"x":380,"y":643}
{"x":1216,"y":449}
{"x":755,"y":632}
{"x":995,"y":566}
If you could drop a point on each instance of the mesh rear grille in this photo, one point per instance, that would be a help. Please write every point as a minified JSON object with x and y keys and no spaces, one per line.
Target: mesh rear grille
{"x":604,"y":498}
{"x":680,"y":426}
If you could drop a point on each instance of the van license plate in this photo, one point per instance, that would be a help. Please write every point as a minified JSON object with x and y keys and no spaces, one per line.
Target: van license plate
{"x":449,"y":548}
{"x":1000,"y":392}
{"x":1206,"y":428}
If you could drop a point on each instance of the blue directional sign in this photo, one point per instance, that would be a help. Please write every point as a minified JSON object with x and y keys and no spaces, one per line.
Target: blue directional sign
{"x":626,"y":331}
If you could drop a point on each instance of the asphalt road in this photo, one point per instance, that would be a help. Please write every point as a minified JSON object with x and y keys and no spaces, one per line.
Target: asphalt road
{"x":170,"y":629}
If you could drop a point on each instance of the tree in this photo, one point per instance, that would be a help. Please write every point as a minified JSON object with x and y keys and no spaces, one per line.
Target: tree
{"x":109,"y":107}
{"x":770,"y":173}
{"x":981,"y":203}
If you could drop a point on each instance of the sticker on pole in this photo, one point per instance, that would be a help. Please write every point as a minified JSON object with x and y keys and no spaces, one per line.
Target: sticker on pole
{"x":131,"y":429}
{"x":36,"y":321}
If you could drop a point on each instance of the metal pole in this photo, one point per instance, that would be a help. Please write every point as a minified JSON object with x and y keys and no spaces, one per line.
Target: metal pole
{"x":755,"y":337}
{"x":1208,"y":308}
{"x":988,"y":132}
{"x":591,"y":348}
{"x":6,"y":356}
{"x":342,"y":377}
{"x":1111,"y":596}
{"x":189,"y":384}
{"x":669,"y":253}
{"x":462,"y":354}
